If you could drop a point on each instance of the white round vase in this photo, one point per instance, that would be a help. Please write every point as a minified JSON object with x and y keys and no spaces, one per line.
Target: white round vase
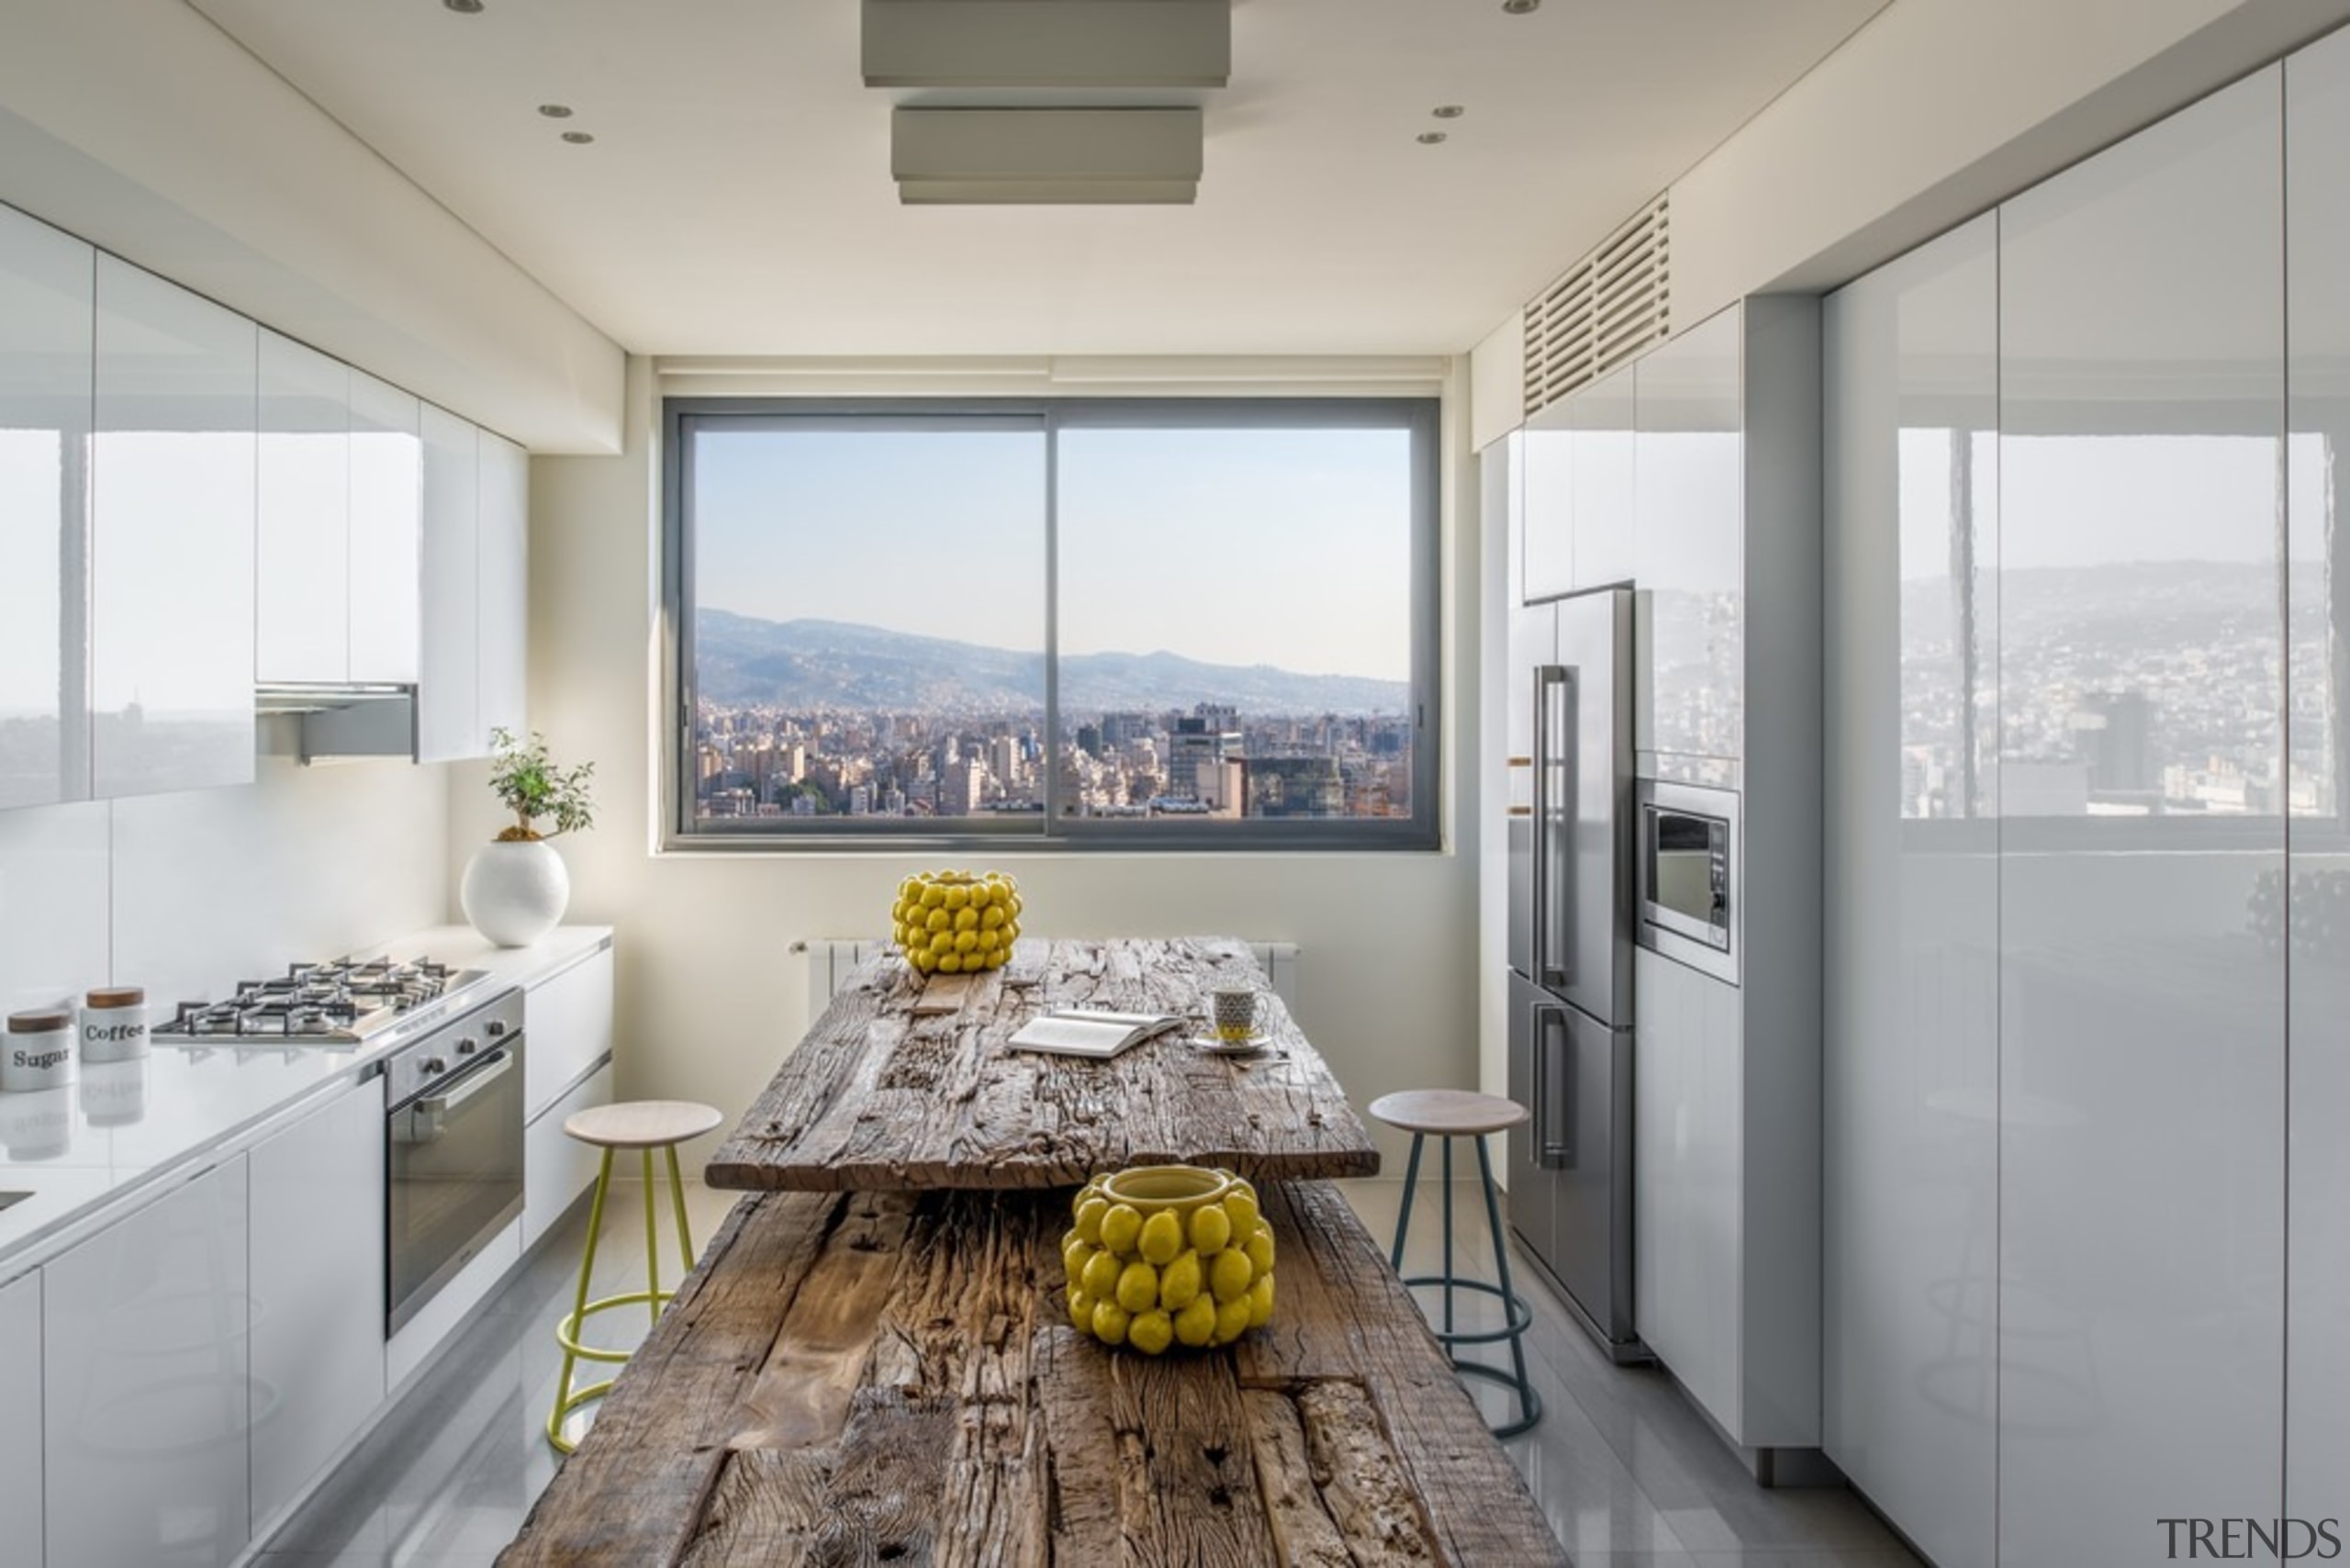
{"x":515,"y":891}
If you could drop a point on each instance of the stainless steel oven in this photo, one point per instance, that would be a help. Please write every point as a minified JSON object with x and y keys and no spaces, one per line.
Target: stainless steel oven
{"x":1689,"y":876}
{"x":454,"y":1099}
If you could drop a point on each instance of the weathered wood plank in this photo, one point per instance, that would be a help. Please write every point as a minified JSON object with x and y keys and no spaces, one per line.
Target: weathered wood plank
{"x":977,"y":1431}
{"x":635,"y":1491}
{"x":884,"y":1095}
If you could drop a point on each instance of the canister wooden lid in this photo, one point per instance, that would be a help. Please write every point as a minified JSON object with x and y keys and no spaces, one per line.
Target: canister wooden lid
{"x":38,"y":1022}
{"x":116,"y":996}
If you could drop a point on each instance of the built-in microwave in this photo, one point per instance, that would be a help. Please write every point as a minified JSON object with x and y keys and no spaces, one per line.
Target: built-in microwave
{"x":1688,"y":868}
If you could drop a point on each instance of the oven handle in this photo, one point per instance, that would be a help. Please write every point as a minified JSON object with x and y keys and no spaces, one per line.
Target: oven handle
{"x":496,"y":1066}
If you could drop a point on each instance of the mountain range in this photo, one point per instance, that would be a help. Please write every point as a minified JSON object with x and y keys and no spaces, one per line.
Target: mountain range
{"x":740,"y":661}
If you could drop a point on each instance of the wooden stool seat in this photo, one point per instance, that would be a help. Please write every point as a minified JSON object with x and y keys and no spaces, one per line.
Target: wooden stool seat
{"x":1447,"y":1113}
{"x":640,"y":1124}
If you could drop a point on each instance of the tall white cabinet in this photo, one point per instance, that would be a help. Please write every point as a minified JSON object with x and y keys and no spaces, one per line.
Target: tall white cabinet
{"x":473,"y":661}
{"x":46,"y":316}
{"x":2087,"y":673}
{"x":1910,"y":1378}
{"x":303,"y":543}
{"x":2317,"y":311}
{"x":20,"y":1462}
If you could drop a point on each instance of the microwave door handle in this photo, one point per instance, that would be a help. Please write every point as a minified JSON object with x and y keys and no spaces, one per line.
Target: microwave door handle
{"x":1550,"y":1151}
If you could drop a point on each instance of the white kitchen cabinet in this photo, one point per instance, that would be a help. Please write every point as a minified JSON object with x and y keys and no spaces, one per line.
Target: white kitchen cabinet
{"x":1545,"y":514}
{"x":317,"y":1291}
{"x":1691,"y":541}
{"x":448,"y":693}
{"x":567,"y":1022}
{"x":1600,"y":420}
{"x":20,"y":1464}
{"x":171,"y":571}
{"x":557,"y":1167}
{"x":2141,"y":1073}
{"x":144,"y":1384}
{"x":2316,"y":316}
{"x":46,"y":326}
{"x":385,"y":587}
{"x":303,"y":538}
{"x":1910,"y":1306}
{"x":505,"y":584}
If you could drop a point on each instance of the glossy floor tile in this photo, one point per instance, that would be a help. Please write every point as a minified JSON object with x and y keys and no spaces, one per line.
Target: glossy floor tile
{"x":1628,"y":1473}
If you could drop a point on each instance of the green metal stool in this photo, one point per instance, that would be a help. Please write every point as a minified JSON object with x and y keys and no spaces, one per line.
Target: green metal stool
{"x":1449,"y":1113}
{"x":643,"y":1125}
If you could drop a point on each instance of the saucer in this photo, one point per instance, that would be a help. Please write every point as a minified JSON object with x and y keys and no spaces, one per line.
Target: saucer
{"x":1211,"y":1046}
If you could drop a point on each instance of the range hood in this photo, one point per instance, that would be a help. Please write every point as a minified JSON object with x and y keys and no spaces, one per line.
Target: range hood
{"x":344,"y":721}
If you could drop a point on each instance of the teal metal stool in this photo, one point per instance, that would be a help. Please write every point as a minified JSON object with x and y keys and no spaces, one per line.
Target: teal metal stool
{"x":643,"y":1125}
{"x":1449,"y":1113}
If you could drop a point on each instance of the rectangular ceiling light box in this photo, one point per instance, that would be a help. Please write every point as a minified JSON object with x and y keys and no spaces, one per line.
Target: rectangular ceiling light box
{"x":1048,"y":43}
{"x":1046,"y":156}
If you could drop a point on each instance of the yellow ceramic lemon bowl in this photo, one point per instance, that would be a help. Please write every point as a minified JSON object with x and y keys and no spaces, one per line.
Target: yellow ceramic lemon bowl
{"x":953,"y":923}
{"x":1169,"y":1256}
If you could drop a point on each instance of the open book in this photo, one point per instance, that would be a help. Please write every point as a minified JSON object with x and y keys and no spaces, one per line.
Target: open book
{"x":1090,"y":1032}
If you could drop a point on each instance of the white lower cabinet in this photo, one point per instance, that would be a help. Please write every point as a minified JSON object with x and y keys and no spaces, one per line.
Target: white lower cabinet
{"x":558,"y":1169}
{"x":568,"y":1018}
{"x":20,"y":1420}
{"x":317,"y":1291}
{"x":144,"y":1354}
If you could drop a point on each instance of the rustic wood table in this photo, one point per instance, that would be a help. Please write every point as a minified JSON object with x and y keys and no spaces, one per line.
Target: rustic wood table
{"x":907,"y":1086}
{"x":877,"y":1367}
{"x":889,"y":1378}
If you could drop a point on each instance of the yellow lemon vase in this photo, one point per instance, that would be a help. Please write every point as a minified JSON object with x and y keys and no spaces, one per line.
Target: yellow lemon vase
{"x":1164,"y":1256}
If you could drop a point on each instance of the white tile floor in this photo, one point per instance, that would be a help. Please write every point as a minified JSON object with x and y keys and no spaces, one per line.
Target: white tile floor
{"x":1628,"y":1473}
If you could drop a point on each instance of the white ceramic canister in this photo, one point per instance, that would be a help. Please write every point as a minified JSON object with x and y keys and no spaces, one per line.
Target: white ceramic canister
{"x":38,"y":1050}
{"x":113,"y":1024}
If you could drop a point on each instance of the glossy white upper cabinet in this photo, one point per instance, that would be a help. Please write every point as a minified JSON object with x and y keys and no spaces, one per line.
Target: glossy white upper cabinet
{"x":386,"y":532}
{"x":171,"y":568}
{"x":505,"y":585}
{"x":317,"y":1196}
{"x":1690,"y":546}
{"x":20,"y":1503}
{"x":1544,"y":472}
{"x":1910,"y":1374}
{"x":46,"y":318}
{"x":303,"y":542}
{"x":448,"y":693}
{"x":1601,"y":418}
{"x":2317,"y":315}
{"x":2142,"y":1077}
{"x":144,"y":1394}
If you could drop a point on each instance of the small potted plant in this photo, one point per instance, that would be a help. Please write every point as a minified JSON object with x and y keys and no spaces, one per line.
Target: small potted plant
{"x":516,"y":886}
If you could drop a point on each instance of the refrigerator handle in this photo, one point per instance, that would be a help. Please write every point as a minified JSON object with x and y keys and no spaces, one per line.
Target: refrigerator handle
{"x":1549,"y":1152}
{"x":1549,"y":767}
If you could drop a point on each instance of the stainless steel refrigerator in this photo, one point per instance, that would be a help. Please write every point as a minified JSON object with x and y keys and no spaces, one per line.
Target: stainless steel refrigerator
{"x":1571,"y":952}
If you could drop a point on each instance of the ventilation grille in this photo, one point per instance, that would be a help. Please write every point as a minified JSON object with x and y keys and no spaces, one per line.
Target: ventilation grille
{"x":1604,"y":312}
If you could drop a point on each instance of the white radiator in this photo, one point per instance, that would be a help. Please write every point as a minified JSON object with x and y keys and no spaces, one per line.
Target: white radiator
{"x":830,"y":960}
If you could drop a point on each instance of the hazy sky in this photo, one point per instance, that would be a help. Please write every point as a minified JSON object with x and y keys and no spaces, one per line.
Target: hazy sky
{"x":1287,"y":548}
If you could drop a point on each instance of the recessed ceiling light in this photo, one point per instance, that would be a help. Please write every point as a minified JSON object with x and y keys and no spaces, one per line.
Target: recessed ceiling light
{"x":1519,"y":7}
{"x":1430,"y":137}
{"x":555,"y":111}
{"x":578,"y":138}
{"x":467,"y":6}
{"x":1449,"y":111}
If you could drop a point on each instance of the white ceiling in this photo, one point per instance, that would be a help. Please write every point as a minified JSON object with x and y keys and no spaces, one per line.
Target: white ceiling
{"x":737,"y":198}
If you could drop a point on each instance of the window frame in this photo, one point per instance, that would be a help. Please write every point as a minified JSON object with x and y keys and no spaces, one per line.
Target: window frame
{"x":1420,"y":418}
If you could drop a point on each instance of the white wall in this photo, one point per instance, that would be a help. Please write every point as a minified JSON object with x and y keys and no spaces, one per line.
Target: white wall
{"x":264,"y":202}
{"x":709,"y":999}
{"x":188,"y":893}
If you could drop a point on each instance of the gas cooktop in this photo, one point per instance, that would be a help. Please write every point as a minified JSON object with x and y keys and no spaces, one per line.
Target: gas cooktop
{"x":341,"y":1002}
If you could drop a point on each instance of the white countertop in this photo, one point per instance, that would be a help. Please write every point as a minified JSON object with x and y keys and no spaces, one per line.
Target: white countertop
{"x":83,"y":1149}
